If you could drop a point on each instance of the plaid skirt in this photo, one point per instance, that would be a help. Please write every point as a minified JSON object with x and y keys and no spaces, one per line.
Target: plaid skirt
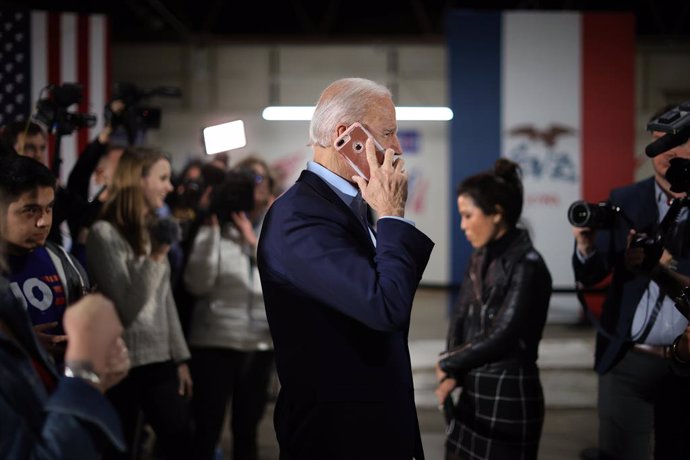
{"x":499,"y":415}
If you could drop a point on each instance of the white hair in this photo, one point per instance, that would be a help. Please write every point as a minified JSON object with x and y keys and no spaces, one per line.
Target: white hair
{"x":344,"y":101}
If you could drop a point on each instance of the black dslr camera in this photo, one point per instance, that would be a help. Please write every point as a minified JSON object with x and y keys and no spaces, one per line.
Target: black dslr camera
{"x":593,"y":215}
{"x":52,"y":110}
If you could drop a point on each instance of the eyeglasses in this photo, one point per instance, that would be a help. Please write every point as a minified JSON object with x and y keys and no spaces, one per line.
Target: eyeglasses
{"x":258,"y":178}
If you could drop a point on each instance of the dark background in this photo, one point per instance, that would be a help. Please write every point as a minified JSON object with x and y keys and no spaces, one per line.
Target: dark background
{"x":309,"y":21}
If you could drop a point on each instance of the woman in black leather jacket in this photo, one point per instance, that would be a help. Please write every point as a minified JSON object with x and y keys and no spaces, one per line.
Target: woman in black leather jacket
{"x":496,"y":327}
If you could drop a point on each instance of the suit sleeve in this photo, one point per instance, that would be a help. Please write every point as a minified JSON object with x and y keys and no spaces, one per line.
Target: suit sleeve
{"x":326,"y":262}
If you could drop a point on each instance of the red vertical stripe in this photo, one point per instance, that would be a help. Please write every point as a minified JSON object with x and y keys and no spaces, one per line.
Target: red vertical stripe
{"x":53,"y":45}
{"x":608,"y":103}
{"x":83,"y":63}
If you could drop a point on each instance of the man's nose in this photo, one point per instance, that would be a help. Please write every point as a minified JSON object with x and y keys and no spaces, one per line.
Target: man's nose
{"x":44,"y":220}
{"x":396,"y":145}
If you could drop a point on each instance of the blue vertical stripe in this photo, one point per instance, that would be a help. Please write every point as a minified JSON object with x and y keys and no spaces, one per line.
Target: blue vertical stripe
{"x":15,"y":66}
{"x":474,"y":48}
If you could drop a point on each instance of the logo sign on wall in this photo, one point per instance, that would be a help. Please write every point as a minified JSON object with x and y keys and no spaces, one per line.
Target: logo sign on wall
{"x":539,"y":154}
{"x":409,"y":141}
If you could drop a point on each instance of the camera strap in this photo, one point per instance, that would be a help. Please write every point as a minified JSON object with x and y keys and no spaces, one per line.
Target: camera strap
{"x":593,"y":320}
{"x":649,"y":323}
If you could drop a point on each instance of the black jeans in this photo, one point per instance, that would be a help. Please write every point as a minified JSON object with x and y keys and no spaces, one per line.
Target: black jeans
{"x":152,"y":389}
{"x":218,"y":375}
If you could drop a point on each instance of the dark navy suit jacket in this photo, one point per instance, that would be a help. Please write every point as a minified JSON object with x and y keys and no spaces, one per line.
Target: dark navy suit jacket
{"x":638,"y":202}
{"x":339,"y":313}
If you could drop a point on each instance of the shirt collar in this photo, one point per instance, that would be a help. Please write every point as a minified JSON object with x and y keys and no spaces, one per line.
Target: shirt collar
{"x":660,"y":195}
{"x":345,"y":190}
{"x":663,"y":204}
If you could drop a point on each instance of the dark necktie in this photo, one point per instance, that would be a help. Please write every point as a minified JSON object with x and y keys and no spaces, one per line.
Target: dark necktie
{"x":359,"y":206}
{"x":361,"y":210}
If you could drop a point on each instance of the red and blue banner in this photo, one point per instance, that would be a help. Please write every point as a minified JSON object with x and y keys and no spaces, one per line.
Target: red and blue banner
{"x":553,"y":91}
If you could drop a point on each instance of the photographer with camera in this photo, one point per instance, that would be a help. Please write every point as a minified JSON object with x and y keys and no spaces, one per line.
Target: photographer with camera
{"x":94,"y":169}
{"x":232,"y":350}
{"x":638,"y":394}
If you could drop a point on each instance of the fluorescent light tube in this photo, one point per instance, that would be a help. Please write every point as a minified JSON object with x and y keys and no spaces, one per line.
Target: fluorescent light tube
{"x":304,"y":113}
{"x":423,"y":113}
{"x":287,"y":113}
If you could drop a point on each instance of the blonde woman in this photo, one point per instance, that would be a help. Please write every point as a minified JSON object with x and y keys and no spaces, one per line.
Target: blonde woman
{"x":131,"y":267}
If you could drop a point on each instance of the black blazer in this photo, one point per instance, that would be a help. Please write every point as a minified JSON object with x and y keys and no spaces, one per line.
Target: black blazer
{"x":638,"y":203}
{"x":339,"y":313}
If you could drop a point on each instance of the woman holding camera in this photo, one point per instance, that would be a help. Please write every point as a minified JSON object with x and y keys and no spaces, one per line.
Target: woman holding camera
{"x":496,"y":327}
{"x":130,"y":266}
{"x":229,"y":337}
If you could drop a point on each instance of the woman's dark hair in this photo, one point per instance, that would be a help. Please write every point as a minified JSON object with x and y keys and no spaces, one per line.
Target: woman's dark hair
{"x":500,"y":187}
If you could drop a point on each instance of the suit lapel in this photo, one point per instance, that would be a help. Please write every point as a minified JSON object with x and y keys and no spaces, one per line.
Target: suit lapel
{"x":326,"y":192}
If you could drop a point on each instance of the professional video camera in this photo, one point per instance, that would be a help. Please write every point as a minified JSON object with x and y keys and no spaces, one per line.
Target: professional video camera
{"x":52,"y":110}
{"x":136,"y":118}
{"x":675,"y":123}
{"x":234,"y":194}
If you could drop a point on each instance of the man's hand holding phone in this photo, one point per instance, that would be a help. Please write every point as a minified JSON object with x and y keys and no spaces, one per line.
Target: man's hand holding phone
{"x":386,"y":189}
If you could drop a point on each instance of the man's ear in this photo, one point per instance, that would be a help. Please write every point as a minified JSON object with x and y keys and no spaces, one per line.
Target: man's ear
{"x":340,"y":129}
{"x":498,"y":215}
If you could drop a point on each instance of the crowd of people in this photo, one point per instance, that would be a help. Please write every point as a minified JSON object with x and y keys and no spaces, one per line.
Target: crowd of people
{"x":134,"y":300}
{"x":172,"y":278}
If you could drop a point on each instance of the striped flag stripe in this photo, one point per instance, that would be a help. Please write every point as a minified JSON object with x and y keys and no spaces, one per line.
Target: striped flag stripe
{"x":608,"y":98}
{"x":71,"y":48}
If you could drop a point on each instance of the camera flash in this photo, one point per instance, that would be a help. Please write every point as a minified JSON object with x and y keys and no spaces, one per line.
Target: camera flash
{"x":223,"y":137}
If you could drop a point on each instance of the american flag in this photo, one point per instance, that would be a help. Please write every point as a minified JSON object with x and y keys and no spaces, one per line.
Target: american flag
{"x":39,"y":48}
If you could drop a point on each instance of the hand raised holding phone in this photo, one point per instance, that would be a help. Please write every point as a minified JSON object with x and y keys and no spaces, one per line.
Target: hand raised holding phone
{"x":386,"y":189}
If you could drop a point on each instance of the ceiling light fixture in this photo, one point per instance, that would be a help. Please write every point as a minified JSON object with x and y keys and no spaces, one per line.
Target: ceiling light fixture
{"x":304,"y":113}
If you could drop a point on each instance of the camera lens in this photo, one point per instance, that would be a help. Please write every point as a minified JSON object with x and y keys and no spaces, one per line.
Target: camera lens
{"x":579,"y":214}
{"x":593,"y":215}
